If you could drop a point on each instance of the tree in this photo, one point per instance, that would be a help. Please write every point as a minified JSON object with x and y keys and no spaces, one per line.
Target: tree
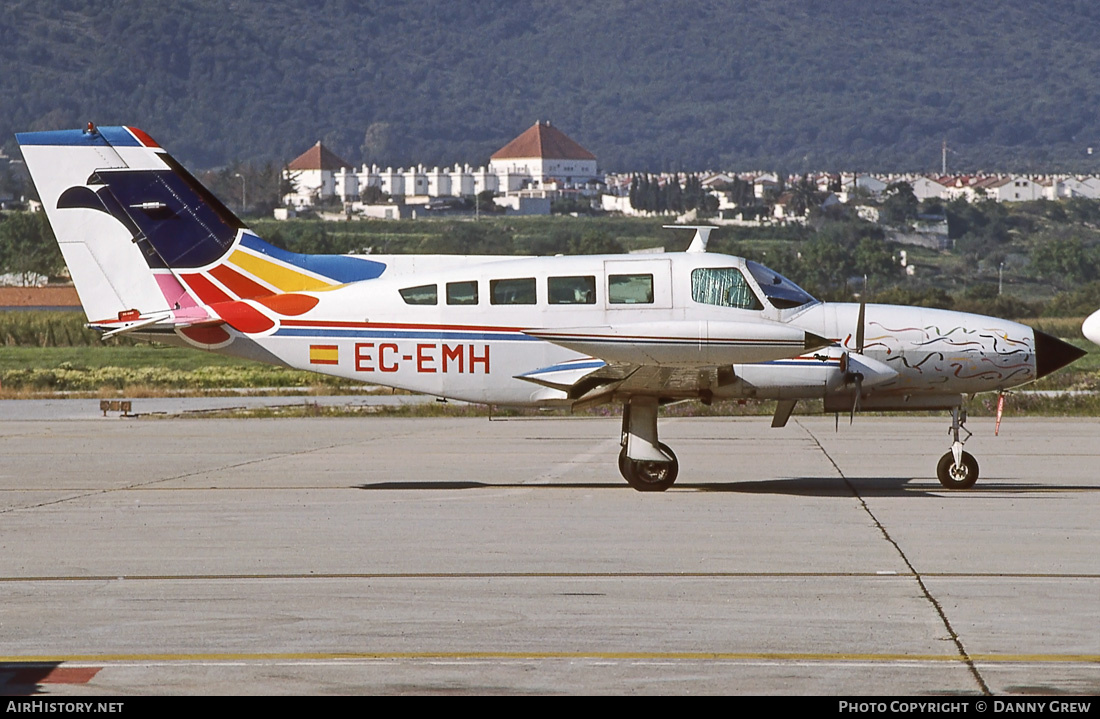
{"x":901,"y":204}
{"x":470,"y":238}
{"x":804,"y":196}
{"x":1065,"y":262}
{"x":28,"y":247}
{"x":378,"y":144}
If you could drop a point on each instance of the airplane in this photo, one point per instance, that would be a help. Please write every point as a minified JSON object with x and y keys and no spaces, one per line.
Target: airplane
{"x":1091,"y":327}
{"x":157,"y":256}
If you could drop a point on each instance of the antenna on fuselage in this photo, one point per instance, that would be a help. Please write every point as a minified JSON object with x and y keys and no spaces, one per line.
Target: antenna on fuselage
{"x":702,"y":235}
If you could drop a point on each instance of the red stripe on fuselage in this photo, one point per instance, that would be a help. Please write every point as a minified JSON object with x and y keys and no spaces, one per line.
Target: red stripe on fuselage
{"x":397,"y":325}
{"x":207,"y":291}
{"x":245,"y":288}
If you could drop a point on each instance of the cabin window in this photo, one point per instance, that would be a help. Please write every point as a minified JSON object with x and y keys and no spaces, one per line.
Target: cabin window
{"x":579,"y":290}
{"x":724,"y":287}
{"x":462,"y":293}
{"x":421,"y":295}
{"x":630,"y":289}
{"x":519,"y":291}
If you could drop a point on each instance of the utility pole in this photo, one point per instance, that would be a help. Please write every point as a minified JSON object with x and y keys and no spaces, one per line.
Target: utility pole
{"x":244,"y":191}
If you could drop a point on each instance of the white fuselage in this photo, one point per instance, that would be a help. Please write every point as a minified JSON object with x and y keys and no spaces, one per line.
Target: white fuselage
{"x":472,"y":345}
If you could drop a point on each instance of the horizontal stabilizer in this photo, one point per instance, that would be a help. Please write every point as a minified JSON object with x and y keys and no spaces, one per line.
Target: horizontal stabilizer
{"x":134,"y":321}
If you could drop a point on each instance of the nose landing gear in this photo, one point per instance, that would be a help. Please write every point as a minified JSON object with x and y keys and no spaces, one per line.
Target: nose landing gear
{"x":958,"y":469}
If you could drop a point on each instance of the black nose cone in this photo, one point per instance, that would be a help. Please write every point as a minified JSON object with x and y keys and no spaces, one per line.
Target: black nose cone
{"x":1053,"y":354}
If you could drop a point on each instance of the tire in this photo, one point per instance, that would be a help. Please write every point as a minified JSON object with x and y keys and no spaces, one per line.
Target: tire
{"x":961,"y":477}
{"x":649,"y":476}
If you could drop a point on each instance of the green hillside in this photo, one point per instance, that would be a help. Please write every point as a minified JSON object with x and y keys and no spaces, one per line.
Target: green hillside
{"x":791,"y":84}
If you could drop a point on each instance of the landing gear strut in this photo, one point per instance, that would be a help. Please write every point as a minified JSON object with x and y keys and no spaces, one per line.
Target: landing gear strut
{"x":646,"y":464}
{"x":958,"y":469}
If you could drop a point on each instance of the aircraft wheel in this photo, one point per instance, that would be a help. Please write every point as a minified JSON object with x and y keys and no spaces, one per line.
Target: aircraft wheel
{"x":954,"y":476}
{"x":649,"y":476}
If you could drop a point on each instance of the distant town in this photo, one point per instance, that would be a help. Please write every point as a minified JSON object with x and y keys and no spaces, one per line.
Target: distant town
{"x":544,"y":167}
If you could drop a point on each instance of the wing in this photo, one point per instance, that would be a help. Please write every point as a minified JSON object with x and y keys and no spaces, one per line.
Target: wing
{"x":670,"y":360}
{"x":590,"y":382}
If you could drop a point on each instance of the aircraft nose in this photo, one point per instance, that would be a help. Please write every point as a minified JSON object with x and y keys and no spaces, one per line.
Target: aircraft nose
{"x":1091,"y":327}
{"x":1053,"y":354}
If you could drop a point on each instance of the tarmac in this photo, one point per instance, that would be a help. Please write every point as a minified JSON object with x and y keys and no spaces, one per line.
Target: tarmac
{"x":467,"y":556}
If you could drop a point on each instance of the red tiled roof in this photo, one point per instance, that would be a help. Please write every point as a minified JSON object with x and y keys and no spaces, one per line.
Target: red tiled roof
{"x":545,"y":141}
{"x":317,"y":157}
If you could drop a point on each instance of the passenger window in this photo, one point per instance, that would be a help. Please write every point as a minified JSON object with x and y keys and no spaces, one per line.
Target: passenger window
{"x":571,"y":290}
{"x":462,"y":293}
{"x":512,"y":292}
{"x":724,"y":287}
{"x":422,"y":295}
{"x":630,"y":289}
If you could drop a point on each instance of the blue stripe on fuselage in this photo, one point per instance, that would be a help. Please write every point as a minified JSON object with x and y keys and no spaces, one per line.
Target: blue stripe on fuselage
{"x":340,"y":268}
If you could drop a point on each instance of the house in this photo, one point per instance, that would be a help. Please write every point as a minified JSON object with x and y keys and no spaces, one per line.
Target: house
{"x":540,"y":155}
{"x":862,"y":184}
{"x":925,"y":188}
{"x":313,"y":174}
{"x":1014,"y":188}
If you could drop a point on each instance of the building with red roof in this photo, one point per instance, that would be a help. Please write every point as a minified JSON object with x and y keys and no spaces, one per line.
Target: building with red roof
{"x":543,"y":155}
{"x":313,"y":174}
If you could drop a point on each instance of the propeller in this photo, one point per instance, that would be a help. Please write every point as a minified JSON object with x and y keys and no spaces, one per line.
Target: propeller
{"x":856,"y":378}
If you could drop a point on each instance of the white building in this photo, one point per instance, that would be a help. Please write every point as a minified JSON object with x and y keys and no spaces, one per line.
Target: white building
{"x":543,"y":154}
{"x":1014,"y":188}
{"x":313,"y":174}
{"x":925,"y":188}
{"x":541,"y":163}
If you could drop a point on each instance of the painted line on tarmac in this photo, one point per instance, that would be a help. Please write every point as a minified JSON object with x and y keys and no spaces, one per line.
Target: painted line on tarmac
{"x":540,"y":575}
{"x":839,"y":657}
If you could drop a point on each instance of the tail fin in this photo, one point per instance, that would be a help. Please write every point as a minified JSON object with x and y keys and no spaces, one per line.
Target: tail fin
{"x":139,"y":233}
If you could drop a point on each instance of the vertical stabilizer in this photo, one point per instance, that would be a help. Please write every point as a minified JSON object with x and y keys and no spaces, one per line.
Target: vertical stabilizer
{"x":107,"y":266}
{"x":138,"y":232}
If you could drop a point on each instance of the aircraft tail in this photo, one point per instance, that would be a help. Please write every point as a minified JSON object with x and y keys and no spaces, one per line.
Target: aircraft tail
{"x":143,"y":238}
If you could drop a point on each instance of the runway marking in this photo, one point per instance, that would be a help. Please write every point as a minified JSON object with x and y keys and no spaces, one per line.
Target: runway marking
{"x":50,"y":673}
{"x":842,"y":657}
{"x":877,"y":574}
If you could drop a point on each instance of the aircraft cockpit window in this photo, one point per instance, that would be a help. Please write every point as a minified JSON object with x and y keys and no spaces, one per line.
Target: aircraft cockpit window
{"x":630,"y":289}
{"x":462,"y":293}
{"x":571,"y":290}
{"x":781,"y":292}
{"x":724,"y":287}
{"x":421,"y":295}
{"x":519,"y":291}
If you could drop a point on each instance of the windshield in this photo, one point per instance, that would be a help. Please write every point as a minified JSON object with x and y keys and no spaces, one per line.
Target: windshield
{"x":781,"y":292}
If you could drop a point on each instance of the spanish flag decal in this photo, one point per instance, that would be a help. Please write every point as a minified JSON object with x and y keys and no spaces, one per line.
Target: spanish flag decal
{"x":324,"y":354}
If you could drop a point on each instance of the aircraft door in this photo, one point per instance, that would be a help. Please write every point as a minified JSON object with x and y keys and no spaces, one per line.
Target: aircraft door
{"x":637,"y":284}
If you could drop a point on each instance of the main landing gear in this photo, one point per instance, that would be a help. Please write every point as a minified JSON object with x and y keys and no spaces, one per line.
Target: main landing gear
{"x":958,"y":469}
{"x":645,"y":463}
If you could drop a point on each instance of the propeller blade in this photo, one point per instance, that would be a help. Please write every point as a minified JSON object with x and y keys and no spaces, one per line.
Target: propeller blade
{"x":857,"y":380}
{"x":859,"y":326}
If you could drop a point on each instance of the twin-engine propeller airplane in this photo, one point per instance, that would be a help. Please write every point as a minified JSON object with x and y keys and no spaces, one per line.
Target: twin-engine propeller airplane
{"x":155,"y":255}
